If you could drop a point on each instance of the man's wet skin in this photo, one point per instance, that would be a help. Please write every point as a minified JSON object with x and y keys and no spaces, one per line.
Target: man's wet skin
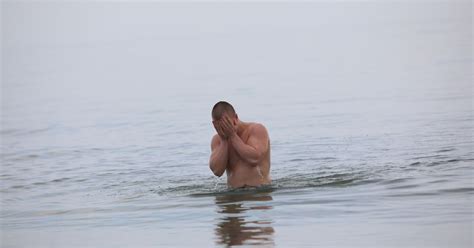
{"x":241,"y":149}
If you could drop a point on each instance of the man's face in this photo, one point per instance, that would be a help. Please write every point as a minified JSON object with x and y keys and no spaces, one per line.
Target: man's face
{"x":232,"y":117}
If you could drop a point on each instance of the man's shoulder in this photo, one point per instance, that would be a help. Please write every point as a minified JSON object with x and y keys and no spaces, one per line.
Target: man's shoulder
{"x":216,"y":139}
{"x":256,"y":127}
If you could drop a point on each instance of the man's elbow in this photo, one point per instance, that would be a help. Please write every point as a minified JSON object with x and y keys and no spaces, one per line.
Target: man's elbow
{"x":255,"y":160}
{"x":216,"y":171}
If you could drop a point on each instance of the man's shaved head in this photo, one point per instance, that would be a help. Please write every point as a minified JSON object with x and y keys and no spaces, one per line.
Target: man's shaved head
{"x":220,"y":108}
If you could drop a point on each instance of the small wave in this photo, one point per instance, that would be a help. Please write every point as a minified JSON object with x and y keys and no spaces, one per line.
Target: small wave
{"x":436,"y":163}
{"x":429,"y":156}
{"x":445,"y":150}
{"x":415,"y":164}
{"x":458,"y":190}
{"x":297,"y":181}
{"x":413,"y":194}
{"x":407,"y":186}
{"x":395,"y":181}
{"x":239,"y":191}
{"x":19,"y":187}
{"x":58,"y":180}
{"x":291,"y":182}
{"x":439,"y":162}
{"x":311,"y":159}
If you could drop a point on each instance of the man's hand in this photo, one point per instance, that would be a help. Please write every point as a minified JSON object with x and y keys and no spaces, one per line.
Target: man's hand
{"x":218,"y":127}
{"x":227,"y":127}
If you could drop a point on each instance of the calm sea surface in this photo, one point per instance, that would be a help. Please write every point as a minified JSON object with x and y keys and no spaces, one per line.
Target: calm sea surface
{"x":106,"y":126}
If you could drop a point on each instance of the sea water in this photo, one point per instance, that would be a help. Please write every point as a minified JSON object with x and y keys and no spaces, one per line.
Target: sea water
{"x":106,"y":123}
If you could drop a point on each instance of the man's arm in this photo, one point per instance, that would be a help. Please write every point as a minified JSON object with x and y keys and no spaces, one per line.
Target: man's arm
{"x":255,"y":150}
{"x":219,"y":155}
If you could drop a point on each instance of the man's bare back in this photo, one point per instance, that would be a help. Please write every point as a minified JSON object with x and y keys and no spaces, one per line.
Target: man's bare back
{"x":240,"y":149}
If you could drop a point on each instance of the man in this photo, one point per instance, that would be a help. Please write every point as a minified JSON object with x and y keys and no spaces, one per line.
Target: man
{"x":241,"y":149}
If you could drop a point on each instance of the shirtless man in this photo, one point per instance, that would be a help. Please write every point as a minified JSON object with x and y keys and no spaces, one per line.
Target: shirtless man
{"x":241,"y":149}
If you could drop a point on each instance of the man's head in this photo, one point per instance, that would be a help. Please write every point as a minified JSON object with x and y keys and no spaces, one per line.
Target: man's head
{"x":222,"y":109}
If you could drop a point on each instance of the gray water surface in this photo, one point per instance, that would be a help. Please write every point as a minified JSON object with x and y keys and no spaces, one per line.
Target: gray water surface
{"x":106,"y":123}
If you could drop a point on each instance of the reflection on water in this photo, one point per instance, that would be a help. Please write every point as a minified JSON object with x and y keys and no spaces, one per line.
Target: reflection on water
{"x":244,"y":219}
